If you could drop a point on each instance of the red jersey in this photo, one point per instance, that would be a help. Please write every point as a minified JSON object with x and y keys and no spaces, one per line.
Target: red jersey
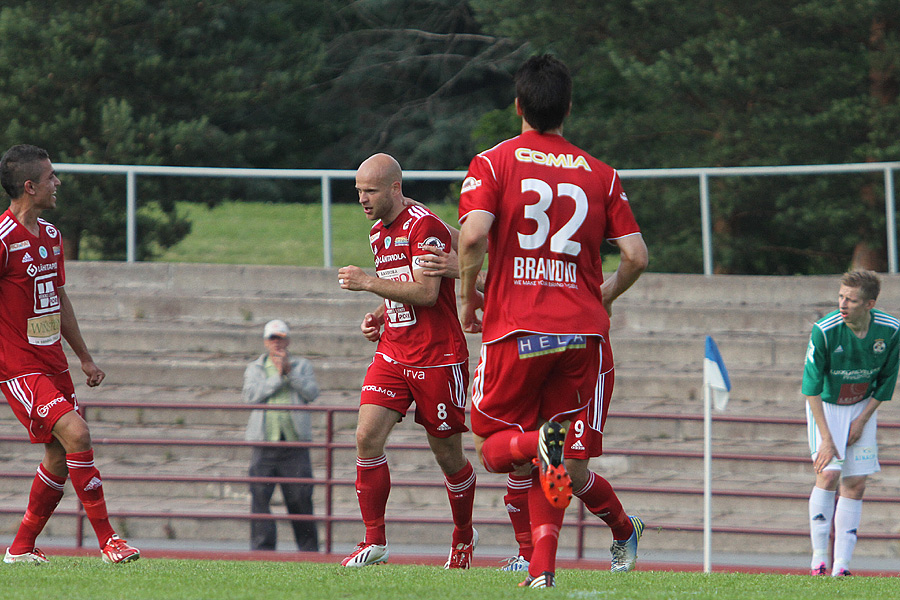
{"x":421,"y":336}
{"x":553,"y":206}
{"x":31,"y":270}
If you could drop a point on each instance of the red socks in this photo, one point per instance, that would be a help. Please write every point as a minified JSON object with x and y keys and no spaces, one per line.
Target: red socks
{"x":461,"y":492}
{"x":373,"y":486}
{"x":89,"y":487}
{"x":546,"y":521}
{"x":516,"y":500}
{"x":600,"y":499}
{"x":46,"y":492}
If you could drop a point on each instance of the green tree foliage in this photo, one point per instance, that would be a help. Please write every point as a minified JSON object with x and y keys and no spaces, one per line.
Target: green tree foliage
{"x":663,"y":83}
{"x":178,"y":82}
{"x":410,"y":77}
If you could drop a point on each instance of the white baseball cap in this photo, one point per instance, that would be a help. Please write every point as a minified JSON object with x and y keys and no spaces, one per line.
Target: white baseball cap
{"x":276,"y":327}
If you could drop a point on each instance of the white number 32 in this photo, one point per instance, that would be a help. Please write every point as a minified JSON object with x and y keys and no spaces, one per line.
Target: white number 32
{"x":561,"y":241}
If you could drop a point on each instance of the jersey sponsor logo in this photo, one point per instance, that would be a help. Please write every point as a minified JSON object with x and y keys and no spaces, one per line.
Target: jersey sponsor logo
{"x":374,"y":237}
{"x":565,"y":161}
{"x":401,"y":241}
{"x":469,"y":184}
{"x":851,"y":393}
{"x":443,"y":427}
{"x":528,"y":270}
{"x":511,"y":509}
{"x":45,"y":298}
{"x":379,"y":390}
{"x":383,"y":258}
{"x":838,"y":350}
{"x":56,"y":250}
{"x":20,"y":246}
{"x":44,"y":409}
{"x":413,"y":374}
{"x":538,"y":345}
{"x":43,"y":330}
{"x":577,"y":445}
{"x":432,"y":241}
{"x":879,"y":347}
{"x":27,"y":259}
{"x":35,"y":269}
{"x":623,"y":197}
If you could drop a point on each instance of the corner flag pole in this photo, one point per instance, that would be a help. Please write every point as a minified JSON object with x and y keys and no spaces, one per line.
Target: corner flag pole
{"x":707,"y":477}
{"x":716,"y":386}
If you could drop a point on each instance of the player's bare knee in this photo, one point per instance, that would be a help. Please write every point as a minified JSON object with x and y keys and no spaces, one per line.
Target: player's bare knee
{"x":73,"y":433}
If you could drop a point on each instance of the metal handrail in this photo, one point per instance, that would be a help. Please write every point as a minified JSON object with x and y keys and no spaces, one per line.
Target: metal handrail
{"x":329,"y":481}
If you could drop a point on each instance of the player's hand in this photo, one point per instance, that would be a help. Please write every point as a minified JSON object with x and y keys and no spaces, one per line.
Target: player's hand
{"x":468,"y":307}
{"x":440,"y":263}
{"x":352,"y":278}
{"x":371,"y":327}
{"x":826,"y":452}
{"x":95,"y":375}
{"x":856,"y":430}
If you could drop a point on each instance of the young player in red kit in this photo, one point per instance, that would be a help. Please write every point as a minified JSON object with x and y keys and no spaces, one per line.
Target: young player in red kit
{"x":34,"y":373}
{"x":421,"y":357}
{"x":541,"y":208}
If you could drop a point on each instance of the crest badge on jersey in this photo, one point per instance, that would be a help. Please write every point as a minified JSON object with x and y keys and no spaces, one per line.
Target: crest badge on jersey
{"x":42,"y":251}
{"x":387,"y":242}
{"x":879,"y":347}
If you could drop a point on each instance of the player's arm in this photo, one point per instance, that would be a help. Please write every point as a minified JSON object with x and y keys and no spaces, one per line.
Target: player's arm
{"x":421,"y":291}
{"x":68,"y":327}
{"x":472,"y":250}
{"x":634,"y":259}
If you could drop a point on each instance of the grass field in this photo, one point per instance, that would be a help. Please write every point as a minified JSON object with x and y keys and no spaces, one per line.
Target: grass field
{"x":161,"y":579}
{"x":257,"y":233}
{"x":277,"y":234}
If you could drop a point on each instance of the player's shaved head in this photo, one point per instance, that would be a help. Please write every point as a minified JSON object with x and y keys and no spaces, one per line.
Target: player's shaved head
{"x":383,"y":168}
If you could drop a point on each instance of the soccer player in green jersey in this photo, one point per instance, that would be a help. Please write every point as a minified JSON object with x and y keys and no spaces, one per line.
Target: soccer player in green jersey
{"x":851,"y":368}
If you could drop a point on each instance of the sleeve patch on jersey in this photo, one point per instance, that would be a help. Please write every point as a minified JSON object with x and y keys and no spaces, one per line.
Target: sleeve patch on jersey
{"x":469,"y":184}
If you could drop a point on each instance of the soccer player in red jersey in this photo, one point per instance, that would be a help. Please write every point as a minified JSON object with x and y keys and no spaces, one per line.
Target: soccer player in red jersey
{"x":34,"y":373}
{"x":541,"y":208}
{"x":421,"y":357}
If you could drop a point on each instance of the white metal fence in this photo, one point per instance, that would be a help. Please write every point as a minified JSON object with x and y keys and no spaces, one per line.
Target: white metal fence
{"x":325,"y":177}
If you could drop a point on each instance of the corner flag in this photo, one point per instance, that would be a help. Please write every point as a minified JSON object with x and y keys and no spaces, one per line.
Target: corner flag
{"x":715,"y":375}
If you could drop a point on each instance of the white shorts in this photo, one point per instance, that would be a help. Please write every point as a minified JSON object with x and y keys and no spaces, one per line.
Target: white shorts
{"x":859,"y":459}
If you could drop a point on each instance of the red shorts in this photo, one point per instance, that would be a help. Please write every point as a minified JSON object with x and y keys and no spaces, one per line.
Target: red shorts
{"x":525,"y":380}
{"x":584,"y":439}
{"x":439,"y":393}
{"x":38,"y":401}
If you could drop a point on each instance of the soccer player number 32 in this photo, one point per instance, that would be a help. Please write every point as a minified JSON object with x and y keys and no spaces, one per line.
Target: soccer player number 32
{"x":560,"y":241}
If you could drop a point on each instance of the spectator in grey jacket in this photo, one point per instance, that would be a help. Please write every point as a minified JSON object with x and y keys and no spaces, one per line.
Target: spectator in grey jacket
{"x":274,"y":378}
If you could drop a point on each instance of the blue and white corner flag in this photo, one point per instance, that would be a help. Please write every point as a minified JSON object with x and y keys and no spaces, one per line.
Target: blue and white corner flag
{"x":715,"y":375}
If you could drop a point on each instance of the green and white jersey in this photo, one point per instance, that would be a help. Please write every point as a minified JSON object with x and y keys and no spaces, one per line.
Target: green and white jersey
{"x":845,"y":369}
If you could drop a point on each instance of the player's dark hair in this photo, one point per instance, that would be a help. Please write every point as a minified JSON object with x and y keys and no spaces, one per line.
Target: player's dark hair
{"x":867,"y":281}
{"x":544,"y":90}
{"x":20,"y":164}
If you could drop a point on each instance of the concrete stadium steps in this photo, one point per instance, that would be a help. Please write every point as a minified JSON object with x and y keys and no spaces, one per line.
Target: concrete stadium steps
{"x":183,"y":334}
